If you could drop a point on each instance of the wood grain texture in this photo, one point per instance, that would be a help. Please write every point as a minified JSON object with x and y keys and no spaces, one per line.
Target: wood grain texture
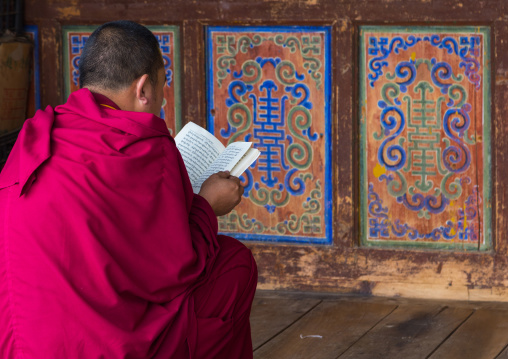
{"x":415,"y":329}
{"x":503,"y":354}
{"x":271,"y":315}
{"x":411,"y":332}
{"x":339,"y":323}
{"x":483,"y":336}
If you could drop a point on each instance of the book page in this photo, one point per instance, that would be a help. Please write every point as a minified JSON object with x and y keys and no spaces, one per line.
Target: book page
{"x":225,"y":162}
{"x":199,"y":149}
{"x":250,"y":156}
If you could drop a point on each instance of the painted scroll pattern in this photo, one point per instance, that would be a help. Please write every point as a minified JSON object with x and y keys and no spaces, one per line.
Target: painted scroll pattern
{"x":75,"y":38}
{"x":423,"y":170}
{"x":270,"y":86}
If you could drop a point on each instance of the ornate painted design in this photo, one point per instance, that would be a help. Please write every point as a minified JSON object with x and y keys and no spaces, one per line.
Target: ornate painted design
{"x":34,"y":92}
{"x":74,"y":41}
{"x":271,"y":86}
{"x":425,"y":130}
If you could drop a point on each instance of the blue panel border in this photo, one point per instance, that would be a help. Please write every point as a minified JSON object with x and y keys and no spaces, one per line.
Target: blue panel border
{"x":328,"y":202}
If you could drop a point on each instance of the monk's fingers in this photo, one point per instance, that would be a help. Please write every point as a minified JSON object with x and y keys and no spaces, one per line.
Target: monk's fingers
{"x":238,"y":183}
{"x":236,"y":180}
{"x":223,"y":174}
{"x":237,"y":186}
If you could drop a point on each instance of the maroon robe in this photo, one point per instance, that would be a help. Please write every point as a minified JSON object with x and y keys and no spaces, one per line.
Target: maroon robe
{"x":105,"y":252}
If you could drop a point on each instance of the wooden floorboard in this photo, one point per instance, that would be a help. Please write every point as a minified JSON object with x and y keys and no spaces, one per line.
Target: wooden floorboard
{"x":271,"y":315}
{"x":482,"y":336}
{"x":504,"y":354}
{"x":339,"y":324}
{"x":410,"y":332}
{"x":312,"y":325}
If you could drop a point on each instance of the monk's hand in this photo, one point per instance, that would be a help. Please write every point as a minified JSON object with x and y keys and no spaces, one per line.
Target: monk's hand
{"x":222,"y":191}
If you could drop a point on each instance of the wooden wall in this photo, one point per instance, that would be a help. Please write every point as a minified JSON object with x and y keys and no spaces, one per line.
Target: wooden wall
{"x":346,"y":266}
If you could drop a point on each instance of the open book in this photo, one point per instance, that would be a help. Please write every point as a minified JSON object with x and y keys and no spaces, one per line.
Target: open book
{"x":204,"y":155}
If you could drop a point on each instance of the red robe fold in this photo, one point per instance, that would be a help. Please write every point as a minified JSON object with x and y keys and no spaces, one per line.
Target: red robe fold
{"x":102,"y":241}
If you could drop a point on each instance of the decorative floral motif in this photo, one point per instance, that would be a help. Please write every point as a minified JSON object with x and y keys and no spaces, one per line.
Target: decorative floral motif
{"x":269,"y":86}
{"x":422,"y":129}
{"x":467,"y":48}
{"x":465,"y":229}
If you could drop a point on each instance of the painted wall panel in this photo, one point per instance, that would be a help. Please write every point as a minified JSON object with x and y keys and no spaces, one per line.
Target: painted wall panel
{"x":271,"y":86}
{"x":74,"y":38}
{"x":425,"y":136}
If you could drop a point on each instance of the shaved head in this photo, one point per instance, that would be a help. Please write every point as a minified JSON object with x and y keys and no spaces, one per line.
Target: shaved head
{"x":116,"y":54}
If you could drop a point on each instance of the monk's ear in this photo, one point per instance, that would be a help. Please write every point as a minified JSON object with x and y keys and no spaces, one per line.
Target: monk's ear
{"x":143,"y":90}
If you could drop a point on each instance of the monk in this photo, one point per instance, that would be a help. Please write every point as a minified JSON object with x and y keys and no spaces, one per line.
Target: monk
{"x":105,"y":252}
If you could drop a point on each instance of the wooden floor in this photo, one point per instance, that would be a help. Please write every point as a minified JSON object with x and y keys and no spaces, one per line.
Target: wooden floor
{"x":313,"y":326}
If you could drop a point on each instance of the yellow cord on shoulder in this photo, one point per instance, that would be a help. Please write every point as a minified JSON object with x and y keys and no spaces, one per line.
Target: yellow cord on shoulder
{"x":108,"y":106}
